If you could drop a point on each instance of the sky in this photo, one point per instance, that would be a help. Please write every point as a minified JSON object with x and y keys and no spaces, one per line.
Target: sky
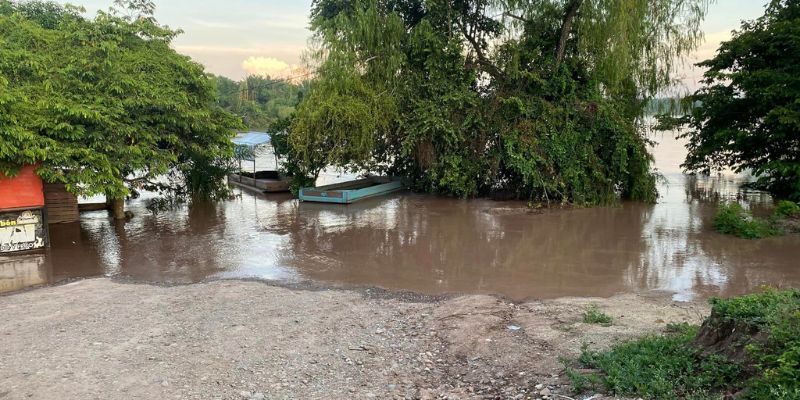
{"x":236,"y":38}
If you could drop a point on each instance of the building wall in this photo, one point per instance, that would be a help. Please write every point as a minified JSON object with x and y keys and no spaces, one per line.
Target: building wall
{"x":23,"y":190}
{"x":62,"y":206}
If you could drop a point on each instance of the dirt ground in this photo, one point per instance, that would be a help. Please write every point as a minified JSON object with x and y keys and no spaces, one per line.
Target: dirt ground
{"x":101,"y":339}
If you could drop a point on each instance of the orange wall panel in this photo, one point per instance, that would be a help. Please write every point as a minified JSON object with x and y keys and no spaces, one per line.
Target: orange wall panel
{"x":23,"y":190}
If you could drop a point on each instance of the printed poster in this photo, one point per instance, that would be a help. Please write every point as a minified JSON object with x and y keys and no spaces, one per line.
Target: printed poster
{"x":22,"y":230}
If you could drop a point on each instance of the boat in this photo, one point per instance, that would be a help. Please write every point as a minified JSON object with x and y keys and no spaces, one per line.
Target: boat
{"x":245,"y":147}
{"x":351,"y":191}
{"x":261,"y":181}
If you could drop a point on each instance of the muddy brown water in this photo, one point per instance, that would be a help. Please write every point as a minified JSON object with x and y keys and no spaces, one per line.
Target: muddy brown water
{"x":432,"y":245}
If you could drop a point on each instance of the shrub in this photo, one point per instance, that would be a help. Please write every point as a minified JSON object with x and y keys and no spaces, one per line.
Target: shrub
{"x":732,"y":219}
{"x":786,"y":208}
{"x":593,"y":315}
{"x":659,"y":367}
{"x":750,"y":346}
{"x":774,"y":316}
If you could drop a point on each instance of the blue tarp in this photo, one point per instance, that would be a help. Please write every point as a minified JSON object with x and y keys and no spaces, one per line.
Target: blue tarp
{"x":251,"y":139}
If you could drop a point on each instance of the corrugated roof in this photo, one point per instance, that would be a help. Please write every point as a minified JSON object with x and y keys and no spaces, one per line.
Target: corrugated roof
{"x":251,"y":139}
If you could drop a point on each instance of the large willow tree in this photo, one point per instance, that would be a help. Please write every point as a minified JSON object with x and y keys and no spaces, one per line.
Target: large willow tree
{"x":540,"y":100}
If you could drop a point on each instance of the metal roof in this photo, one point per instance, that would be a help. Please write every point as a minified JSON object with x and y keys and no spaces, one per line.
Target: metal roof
{"x":251,"y":139}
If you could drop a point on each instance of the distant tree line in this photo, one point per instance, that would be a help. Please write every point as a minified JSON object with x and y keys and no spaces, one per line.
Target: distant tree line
{"x":665,"y":106}
{"x":260,"y":101}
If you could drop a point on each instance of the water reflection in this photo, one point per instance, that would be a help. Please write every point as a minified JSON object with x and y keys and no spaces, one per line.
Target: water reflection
{"x":436,"y":245}
{"x":19,"y":272}
{"x":429,"y":244}
{"x":685,"y":256}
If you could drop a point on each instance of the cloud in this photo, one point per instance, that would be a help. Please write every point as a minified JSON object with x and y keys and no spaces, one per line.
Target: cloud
{"x":269,"y":66}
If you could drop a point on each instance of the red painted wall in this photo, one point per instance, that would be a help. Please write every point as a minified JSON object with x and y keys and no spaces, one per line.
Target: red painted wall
{"x":23,"y":190}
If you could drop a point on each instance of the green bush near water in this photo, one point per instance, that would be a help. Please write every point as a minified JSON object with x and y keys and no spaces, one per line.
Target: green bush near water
{"x":732,"y":219}
{"x":704,"y":363}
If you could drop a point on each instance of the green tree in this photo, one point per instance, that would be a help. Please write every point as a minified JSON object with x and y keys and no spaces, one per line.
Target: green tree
{"x":746,"y":116}
{"x":541,"y":100}
{"x":104,"y":105}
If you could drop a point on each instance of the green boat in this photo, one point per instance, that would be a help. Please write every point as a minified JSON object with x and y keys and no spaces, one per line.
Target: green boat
{"x":351,"y":191}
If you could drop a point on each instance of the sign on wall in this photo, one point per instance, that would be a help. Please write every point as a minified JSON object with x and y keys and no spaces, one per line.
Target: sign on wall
{"x":22,"y":230}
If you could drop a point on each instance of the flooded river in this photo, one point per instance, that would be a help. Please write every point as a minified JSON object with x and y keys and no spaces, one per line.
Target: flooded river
{"x":432,"y":245}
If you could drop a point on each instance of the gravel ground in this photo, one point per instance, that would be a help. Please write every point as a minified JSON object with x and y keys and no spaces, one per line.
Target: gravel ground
{"x":100,"y":339}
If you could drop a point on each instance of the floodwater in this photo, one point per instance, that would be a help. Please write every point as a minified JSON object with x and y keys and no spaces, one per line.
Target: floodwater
{"x":432,"y":245}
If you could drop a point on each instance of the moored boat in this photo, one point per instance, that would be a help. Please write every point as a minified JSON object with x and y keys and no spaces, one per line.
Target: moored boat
{"x":351,"y":191}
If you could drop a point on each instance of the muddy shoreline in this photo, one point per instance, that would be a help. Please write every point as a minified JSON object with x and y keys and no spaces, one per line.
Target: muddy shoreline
{"x":234,"y":339}
{"x":305,"y":285}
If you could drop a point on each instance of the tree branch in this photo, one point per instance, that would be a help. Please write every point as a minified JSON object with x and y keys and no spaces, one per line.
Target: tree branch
{"x":145,"y":178}
{"x":566,"y":27}
{"x":490,"y":68}
{"x":517,"y":17}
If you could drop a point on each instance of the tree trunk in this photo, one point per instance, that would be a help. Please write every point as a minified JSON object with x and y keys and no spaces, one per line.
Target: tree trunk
{"x":566,"y":28}
{"x":118,"y":207}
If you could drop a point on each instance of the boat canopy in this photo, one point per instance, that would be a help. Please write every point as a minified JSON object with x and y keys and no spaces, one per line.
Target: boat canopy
{"x":251,"y":139}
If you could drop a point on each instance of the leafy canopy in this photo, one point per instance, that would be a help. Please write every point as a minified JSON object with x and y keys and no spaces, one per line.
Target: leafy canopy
{"x":105,"y":104}
{"x":536,"y":99}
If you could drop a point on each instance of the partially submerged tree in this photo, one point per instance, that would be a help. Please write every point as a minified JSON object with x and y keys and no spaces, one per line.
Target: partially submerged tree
{"x":540,"y":100}
{"x":105,"y":105}
{"x":747,"y":114}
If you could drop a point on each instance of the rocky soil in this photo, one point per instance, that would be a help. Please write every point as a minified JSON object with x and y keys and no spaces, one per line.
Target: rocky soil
{"x":100,"y":339}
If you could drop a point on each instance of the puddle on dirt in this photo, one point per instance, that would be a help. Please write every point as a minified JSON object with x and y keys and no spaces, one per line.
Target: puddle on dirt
{"x":431,"y":245}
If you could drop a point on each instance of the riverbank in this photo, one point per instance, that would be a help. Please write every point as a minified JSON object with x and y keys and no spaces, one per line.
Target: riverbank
{"x":98,"y":338}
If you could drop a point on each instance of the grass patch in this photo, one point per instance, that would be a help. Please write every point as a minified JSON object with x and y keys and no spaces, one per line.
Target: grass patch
{"x":581,"y":382}
{"x":658,"y":367}
{"x":749,"y":346}
{"x":593,"y":315}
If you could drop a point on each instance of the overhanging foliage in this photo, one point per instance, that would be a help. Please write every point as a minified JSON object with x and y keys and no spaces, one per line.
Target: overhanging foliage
{"x":538,"y":100}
